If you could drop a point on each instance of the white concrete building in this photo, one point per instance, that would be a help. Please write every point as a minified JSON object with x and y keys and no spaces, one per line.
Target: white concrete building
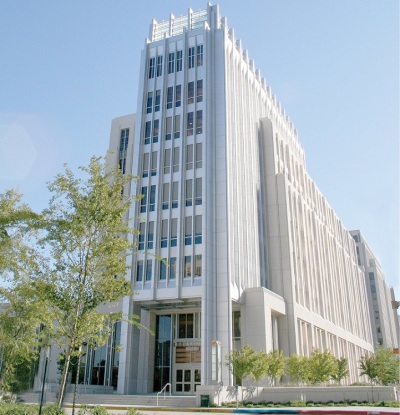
{"x":381,"y":300}
{"x":253,"y":254}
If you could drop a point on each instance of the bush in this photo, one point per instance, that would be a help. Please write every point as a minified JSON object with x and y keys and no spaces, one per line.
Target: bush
{"x":133,"y":411}
{"x":23,"y":409}
{"x":297,"y":403}
{"x":92,"y":410}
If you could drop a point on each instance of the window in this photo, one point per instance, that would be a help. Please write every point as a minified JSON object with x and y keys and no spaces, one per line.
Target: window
{"x":185,"y":326}
{"x":189,"y":192}
{"x":178,"y":95}
{"x":199,"y":90}
{"x":174,"y":232}
{"x":198,"y":191}
{"x":199,"y":155}
{"x":141,"y":236}
{"x":168,"y":128}
{"x":154,"y":163}
{"x":167,"y":160}
{"x":199,"y":122}
{"x":200,"y":55}
{"x":123,"y":146}
{"x":189,"y":124}
{"x":152,"y":63}
{"x":152,"y":202}
{"x":145,"y":165}
{"x":149,"y":102}
{"x":188,"y":267}
{"x":172,"y":268}
{"x":178,"y":61}
{"x":156,"y":127}
{"x":198,"y":239}
{"x":165,"y":202}
{"x":159,"y":65}
{"x":143,"y":200}
{"x":177,"y":126}
{"x":164,"y":233}
{"x":191,"y":57}
{"x":170,"y":95}
{"x":139,"y":271}
{"x":163,"y":269}
{"x":149,"y":269}
{"x":175,"y":188}
{"x":157,"y":101}
{"x":189,"y":157}
{"x":150,"y":235}
{"x":147,"y":132}
{"x":190,"y":93}
{"x":175,"y":161}
{"x":188,"y":230}
{"x":198,"y":266}
{"x":371,"y":276}
{"x":171,"y":62}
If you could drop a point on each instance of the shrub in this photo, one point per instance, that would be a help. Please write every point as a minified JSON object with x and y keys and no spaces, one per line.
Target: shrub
{"x":133,"y":411}
{"x":23,"y":409}
{"x":297,"y":403}
{"x":92,"y":410}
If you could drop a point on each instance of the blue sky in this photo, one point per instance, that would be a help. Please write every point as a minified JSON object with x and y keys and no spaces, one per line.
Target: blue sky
{"x":68,"y":68}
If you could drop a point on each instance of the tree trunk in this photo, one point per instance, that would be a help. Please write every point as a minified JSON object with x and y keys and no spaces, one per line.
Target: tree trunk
{"x":64,"y":377}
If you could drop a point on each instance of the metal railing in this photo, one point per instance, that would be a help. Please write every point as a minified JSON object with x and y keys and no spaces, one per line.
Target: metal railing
{"x":163,"y":390}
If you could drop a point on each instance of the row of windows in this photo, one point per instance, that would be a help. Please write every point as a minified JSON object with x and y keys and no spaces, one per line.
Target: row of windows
{"x":175,"y":59}
{"x":191,"y":266}
{"x":169,"y":232}
{"x":193,"y":187}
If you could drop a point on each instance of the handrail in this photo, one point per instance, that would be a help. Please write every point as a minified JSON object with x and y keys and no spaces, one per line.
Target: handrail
{"x":163,"y":390}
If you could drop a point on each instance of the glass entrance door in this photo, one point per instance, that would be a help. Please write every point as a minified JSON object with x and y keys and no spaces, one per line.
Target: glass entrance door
{"x":186,"y":380}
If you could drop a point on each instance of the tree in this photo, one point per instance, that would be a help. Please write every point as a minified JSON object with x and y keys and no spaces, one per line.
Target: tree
{"x":369,"y":368}
{"x":88,"y":238}
{"x":297,"y":366}
{"x":341,"y":371}
{"x":275,"y":365}
{"x":322,"y":366}
{"x":241,"y":363}
{"x":382,"y":367}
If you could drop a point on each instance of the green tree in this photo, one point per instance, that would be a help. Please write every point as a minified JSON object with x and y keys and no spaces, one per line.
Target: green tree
{"x":297,"y":367}
{"x":275,"y":365}
{"x":341,"y":371}
{"x":368,"y":366}
{"x":241,"y":363}
{"x":322,"y":366}
{"x":387,"y":365}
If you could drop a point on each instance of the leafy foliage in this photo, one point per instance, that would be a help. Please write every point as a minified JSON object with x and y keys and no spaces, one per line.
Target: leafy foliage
{"x":322,"y":366}
{"x":382,"y":367}
{"x":275,"y":364}
{"x":341,"y":371}
{"x":241,"y":363}
{"x":298,"y":368}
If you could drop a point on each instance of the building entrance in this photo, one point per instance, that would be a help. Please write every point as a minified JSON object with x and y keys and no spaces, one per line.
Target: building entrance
{"x":186,"y":380}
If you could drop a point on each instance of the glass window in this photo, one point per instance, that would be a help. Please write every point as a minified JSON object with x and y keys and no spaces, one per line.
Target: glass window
{"x":199,"y":155}
{"x":154,"y":163}
{"x":188,"y":230}
{"x":152,"y":63}
{"x":190,"y":92}
{"x":168,"y":128}
{"x":143,"y":200}
{"x":157,"y":101}
{"x":199,"y":191}
{"x":178,"y":95}
{"x":164,"y":233}
{"x":159,"y":65}
{"x":171,"y":62}
{"x":175,"y":162}
{"x":189,"y":157}
{"x":149,"y":102}
{"x":177,"y":126}
{"x":147,"y":132}
{"x":199,"y":122}
{"x":189,"y":192}
{"x":178,"y":61}
{"x":172,"y":268}
{"x":174,"y":232}
{"x":152,"y":203}
{"x":170,"y":96}
{"x":175,"y":189}
{"x":191,"y":57}
{"x":156,"y":127}
{"x":167,"y":160}
{"x":199,"y":90}
{"x":189,"y":125}
{"x":142,"y":227}
{"x":150,"y":235}
{"x":123,"y":146}
{"x":185,"y":326}
{"x":198,"y":265}
{"x":149,"y":269}
{"x":199,"y":55}
{"x":188,"y":267}
{"x":163,"y":269}
{"x":145,"y":165}
{"x":139,"y":271}
{"x":165,"y":203}
{"x":197,"y":229}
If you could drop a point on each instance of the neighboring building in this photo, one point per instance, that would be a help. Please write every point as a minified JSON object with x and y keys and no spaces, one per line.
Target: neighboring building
{"x":381,"y":300}
{"x":252,"y":252}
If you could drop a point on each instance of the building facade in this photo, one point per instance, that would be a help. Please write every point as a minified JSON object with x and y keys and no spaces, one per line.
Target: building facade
{"x":236,"y":243}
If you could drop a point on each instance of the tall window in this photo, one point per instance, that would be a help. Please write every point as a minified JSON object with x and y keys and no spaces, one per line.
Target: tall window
{"x":199,"y":90}
{"x":163,"y":269}
{"x":149,"y":102}
{"x":172,"y":268}
{"x":147,"y":132}
{"x":152,"y":202}
{"x":188,"y":267}
{"x":190,"y":92}
{"x":170,"y":96}
{"x":164,"y":233}
{"x":167,"y":160}
{"x":174,"y":232}
{"x":142,"y":227}
{"x":165,"y":202}
{"x":157,"y":101}
{"x":178,"y":61}
{"x":199,"y":55}
{"x":189,"y":124}
{"x":150,"y":235}
{"x":178,"y":95}
{"x":156,"y":127}
{"x":189,"y":192}
{"x":175,"y":189}
{"x":171,"y":62}
{"x":198,"y":238}
{"x":139,"y":271}
{"x":145,"y":165}
{"x":199,"y":155}
{"x":177,"y":126}
{"x":175,"y":163}
{"x":154,"y":163}
{"x":199,"y":122}
{"x":123,"y":146}
{"x":191,"y":57}
{"x":198,"y":191}
{"x":198,"y":266}
{"x":143,"y":200}
{"x":189,"y":157}
{"x":168,"y":128}
{"x":149,"y":269}
{"x":152,"y":63}
{"x":188,"y":230}
{"x":159,"y":65}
